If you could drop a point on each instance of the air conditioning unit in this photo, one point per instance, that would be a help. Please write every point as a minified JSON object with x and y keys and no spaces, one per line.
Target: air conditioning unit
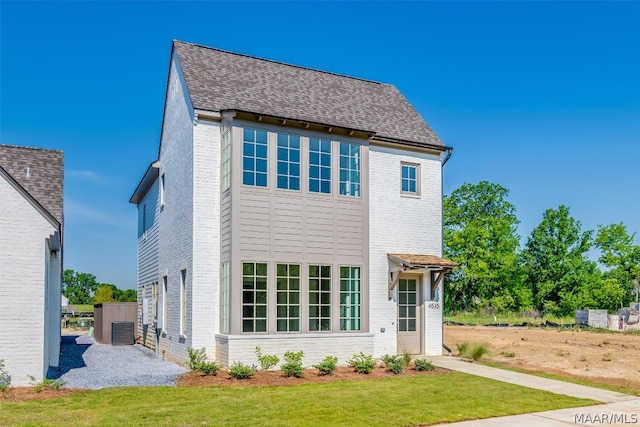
{"x":122,"y":333}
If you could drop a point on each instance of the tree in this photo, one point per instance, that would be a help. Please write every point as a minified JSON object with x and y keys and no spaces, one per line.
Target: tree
{"x":621,"y":255}
{"x":480,"y":235}
{"x":79,"y":287}
{"x":556,"y":264}
{"x":104,"y":293}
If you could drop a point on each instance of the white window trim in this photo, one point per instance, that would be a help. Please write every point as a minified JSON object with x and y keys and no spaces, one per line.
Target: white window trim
{"x":418,"y":192}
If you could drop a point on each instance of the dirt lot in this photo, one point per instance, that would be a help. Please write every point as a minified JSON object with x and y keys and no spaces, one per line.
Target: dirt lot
{"x":605,"y":358}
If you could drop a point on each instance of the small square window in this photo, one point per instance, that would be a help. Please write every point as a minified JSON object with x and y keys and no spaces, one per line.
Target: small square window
{"x":410,"y":179}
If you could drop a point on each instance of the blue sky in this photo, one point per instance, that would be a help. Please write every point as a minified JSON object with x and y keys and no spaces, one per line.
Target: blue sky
{"x":542,"y":98}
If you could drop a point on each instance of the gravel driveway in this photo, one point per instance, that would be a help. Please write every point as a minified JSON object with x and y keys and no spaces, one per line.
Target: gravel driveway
{"x":84,"y":363}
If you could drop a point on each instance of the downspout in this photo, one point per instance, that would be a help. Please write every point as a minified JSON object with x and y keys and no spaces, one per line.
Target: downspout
{"x":449,"y":151}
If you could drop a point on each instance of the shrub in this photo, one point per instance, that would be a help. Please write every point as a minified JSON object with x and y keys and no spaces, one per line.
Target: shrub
{"x":472,"y":351}
{"x":406,"y":359}
{"x":327,"y":366}
{"x":508,"y":354}
{"x":241,"y":372}
{"x":196,"y":357}
{"x":46,"y":383}
{"x":5,"y":379}
{"x":393,"y":363}
{"x":198,"y":362}
{"x":293,"y":364}
{"x":423,"y":365}
{"x":267,"y":361}
{"x":362,"y":363}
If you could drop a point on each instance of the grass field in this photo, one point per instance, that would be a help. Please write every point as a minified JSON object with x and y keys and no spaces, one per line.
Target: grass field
{"x":397,"y":401}
{"x":510,"y":318}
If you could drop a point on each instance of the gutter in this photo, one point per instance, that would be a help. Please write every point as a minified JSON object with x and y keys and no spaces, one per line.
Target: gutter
{"x":449,"y":151}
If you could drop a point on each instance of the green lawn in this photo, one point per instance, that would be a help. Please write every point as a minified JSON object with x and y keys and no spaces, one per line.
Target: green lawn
{"x":510,"y":318}
{"x":397,"y":401}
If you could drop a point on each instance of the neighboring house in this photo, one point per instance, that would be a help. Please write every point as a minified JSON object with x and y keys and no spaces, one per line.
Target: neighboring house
{"x":31,"y":222}
{"x":291,"y":209}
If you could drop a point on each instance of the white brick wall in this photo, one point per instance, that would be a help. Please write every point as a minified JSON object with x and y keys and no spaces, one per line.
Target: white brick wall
{"x":241,"y":348}
{"x":206,"y":236}
{"x":400,"y":225}
{"x":175,"y":220}
{"x":23,"y":258}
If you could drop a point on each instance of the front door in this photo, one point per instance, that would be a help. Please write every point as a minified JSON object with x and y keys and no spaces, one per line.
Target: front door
{"x":409,"y":319}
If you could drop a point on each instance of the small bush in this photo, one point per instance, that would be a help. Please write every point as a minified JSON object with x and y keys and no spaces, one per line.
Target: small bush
{"x":293,"y":364}
{"x":196,"y":357}
{"x":267,"y":361}
{"x":46,"y":383}
{"x":240,"y":371}
{"x":472,"y":351}
{"x":508,"y":354}
{"x":393,"y":363}
{"x":198,"y":362}
{"x":406,"y":359}
{"x":423,"y":365}
{"x":5,"y":379}
{"x":327,"y":366}
{"x":362,"y":363}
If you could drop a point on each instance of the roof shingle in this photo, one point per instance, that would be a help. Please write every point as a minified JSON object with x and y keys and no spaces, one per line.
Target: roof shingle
{"x":40,"y":172}
{"x":218,"y":80}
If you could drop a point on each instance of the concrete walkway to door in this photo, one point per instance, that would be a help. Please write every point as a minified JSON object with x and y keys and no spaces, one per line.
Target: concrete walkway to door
{"x":619,"y":409}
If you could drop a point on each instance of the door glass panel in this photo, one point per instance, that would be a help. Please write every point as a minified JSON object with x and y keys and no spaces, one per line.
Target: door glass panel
{"x":407,"y":300}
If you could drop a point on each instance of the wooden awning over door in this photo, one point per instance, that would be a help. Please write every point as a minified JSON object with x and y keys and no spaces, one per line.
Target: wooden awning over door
{"x":400,"y":263}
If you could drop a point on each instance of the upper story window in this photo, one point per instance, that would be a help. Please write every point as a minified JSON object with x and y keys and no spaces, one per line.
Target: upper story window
{"x":319,"y":165}
{"x":226,"y":160}
{"x":410,"y":178}
{"x":288,"y":161}
{"x":349,"y":169}
{"x":254,"y":157}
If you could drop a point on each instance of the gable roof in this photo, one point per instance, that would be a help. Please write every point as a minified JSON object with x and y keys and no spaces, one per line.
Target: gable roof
{"x":39,"y":172}
{"x":218,"y":80}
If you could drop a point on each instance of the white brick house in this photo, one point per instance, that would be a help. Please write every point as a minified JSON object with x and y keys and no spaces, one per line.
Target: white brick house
{"x":30,"y":260}
{"x":291,"y":209}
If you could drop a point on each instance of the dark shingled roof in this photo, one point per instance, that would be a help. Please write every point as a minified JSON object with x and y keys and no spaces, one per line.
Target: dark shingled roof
{"x":44,"y":180}
{"x":218,"y":80}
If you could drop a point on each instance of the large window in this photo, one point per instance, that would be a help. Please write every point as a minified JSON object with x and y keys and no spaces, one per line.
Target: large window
{"x":349,"y":298}
{"x":254,"y":157}
{"x":288,"y":297}
{"x":319,"y":298}
{"x":226,"y":160}
{"x":349,"y":169}
{"x":409,"y":178}
{"x":225,"y":297}
{"x":288,"y":161}
{"x":254,"y":297}
{"x":319,"y":165}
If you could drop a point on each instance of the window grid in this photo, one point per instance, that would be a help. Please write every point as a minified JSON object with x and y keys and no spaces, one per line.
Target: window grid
{"x":226,"y":160}
{"x":254,"y":297}
{"x":183,"y":302}
{"x":288,"y":298}
{"x":409,"y":179}
{"x":254,"y":158}
{"x":319,"y":166}
{"x":407,"y":300}
{"x":319,"y":298}
{"x":349,"y":298}
{"x":225,"y":297}
{"x":288,"y":162}
{"x":349,"y":169}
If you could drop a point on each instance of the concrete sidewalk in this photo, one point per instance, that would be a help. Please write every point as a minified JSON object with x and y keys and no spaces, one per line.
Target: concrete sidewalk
{"x":619,"y":409}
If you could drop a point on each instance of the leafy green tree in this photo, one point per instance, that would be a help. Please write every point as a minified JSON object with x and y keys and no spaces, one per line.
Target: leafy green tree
{"x":480,"y":235}
{"x":127,"y":295}
{"x":556,"y":263}
{"x":104,"y":293}
{"x":621,"y":255}
{"x":79,"y":287}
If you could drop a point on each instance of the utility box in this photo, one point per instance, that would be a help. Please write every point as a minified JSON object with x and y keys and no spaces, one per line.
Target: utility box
{"x":107,"y":313}
{"x":598,"y":319}
{"x":122,"y":333}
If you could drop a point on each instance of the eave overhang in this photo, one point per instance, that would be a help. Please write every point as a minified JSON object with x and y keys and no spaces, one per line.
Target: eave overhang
{"x":399,"y":263}
{"x":152,"y":173}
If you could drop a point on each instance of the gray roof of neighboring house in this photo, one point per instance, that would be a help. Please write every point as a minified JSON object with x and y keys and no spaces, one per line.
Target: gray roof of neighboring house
{"x":40,"y":172}
{"x":218,"y":80}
